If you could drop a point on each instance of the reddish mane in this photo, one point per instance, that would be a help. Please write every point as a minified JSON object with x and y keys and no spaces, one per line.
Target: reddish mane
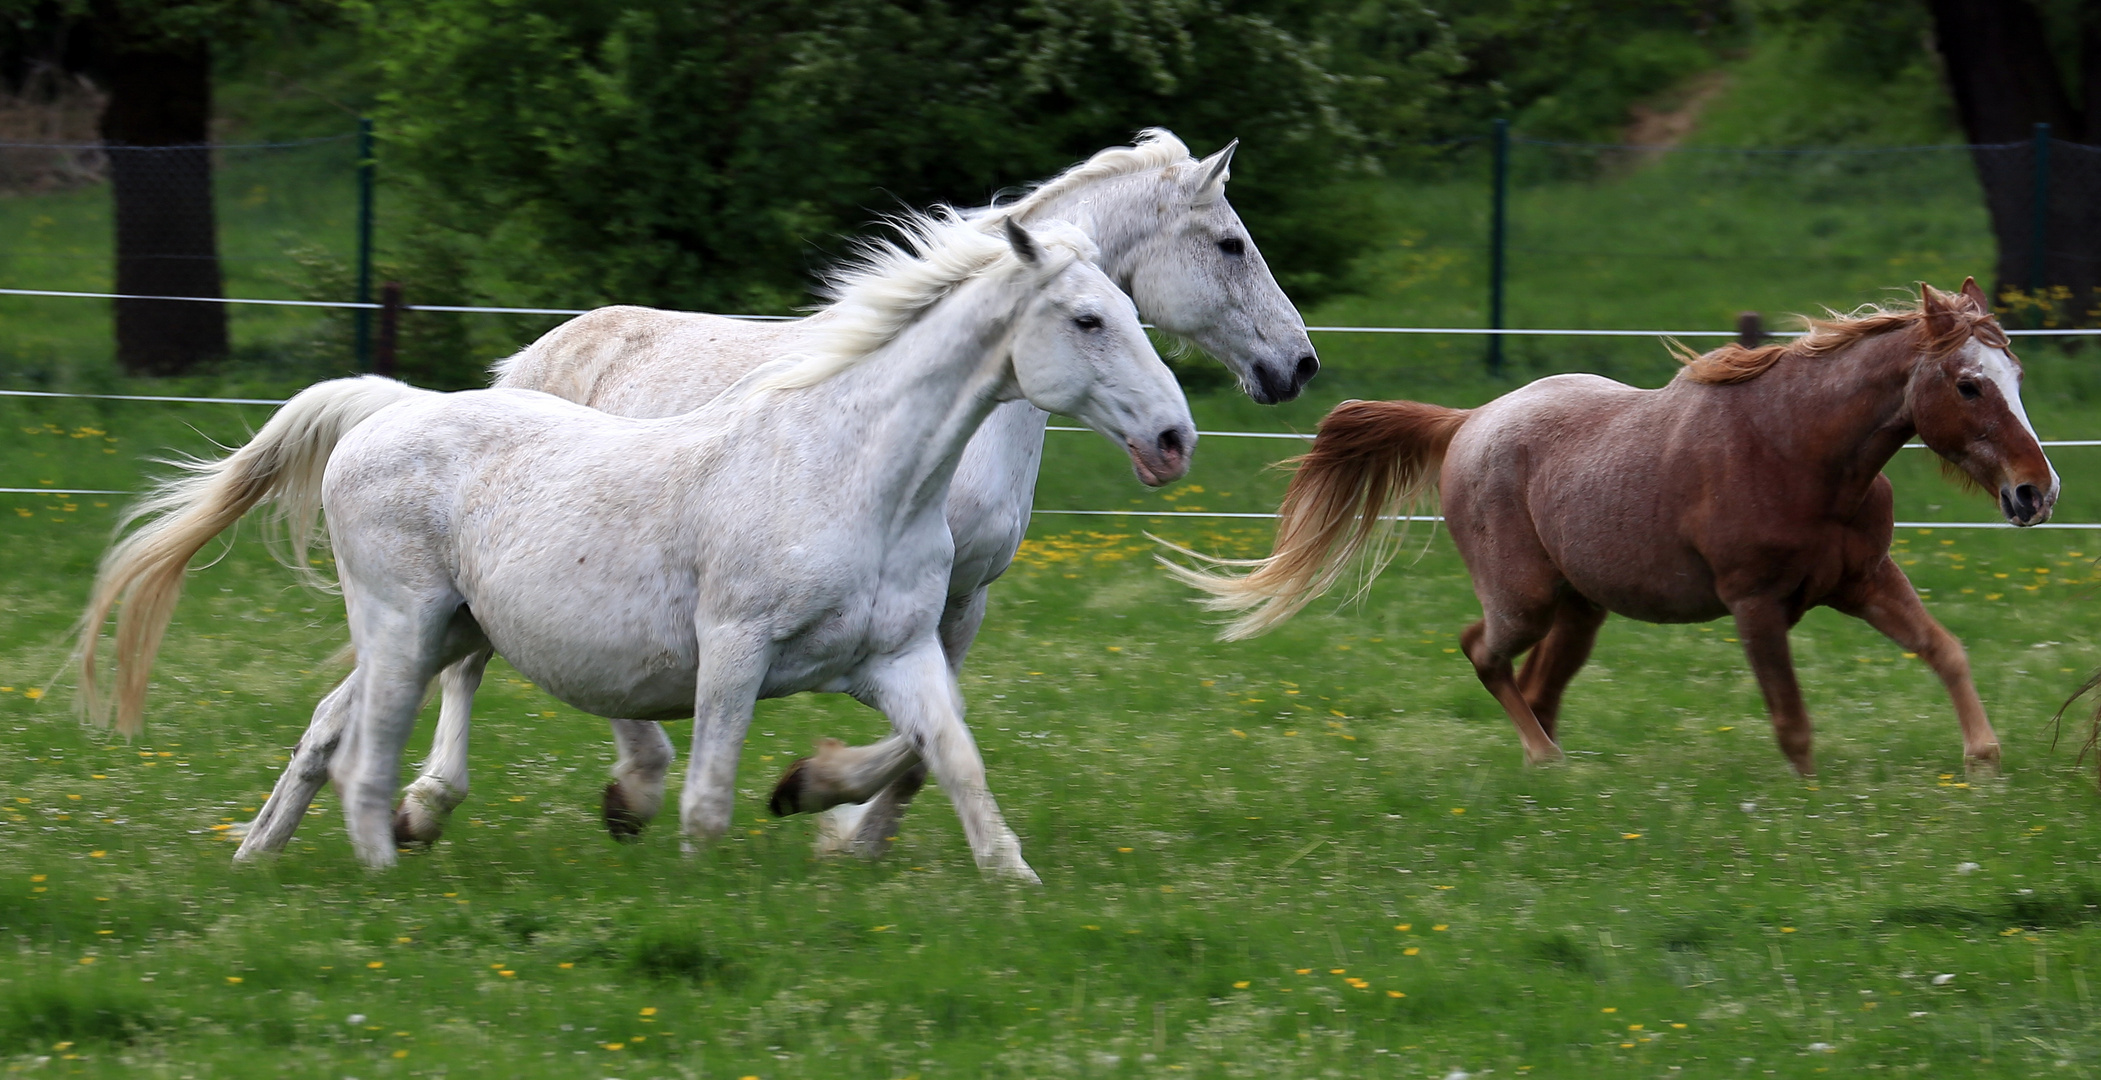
{"x":1733,"y":363}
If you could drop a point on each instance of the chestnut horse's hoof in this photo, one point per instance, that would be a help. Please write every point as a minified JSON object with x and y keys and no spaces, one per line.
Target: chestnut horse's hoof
{"x":621,"y":821}
{"x":1550,"y":756}
{"x":1983,"y":765}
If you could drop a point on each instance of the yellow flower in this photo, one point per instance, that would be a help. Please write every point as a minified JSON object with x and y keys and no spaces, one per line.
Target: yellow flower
{"x":1610,"y":1009}
{"x":649,"y":1010}
{"x":508,"y":973}
{"x":1787,"y":929}
{"x":616,"y":1046}
{"x":399,"y":1054}
{"x":1302,"y":971}
{"x":1459,"y":809}
{"x":233,"y":978}
{"x":566,"y":964}
{"x":1337,"y":971}
{"x":97,"y":854}
{"x":1124,"y":850}
{"x":87,"y":959}
{"x":1241,"y":985}
{"x":33,"y":693}
{"x":1402,"y":926}
{"x":1395,"y":994}
{"x":376,"y":965}
{"x":36,"y":877}
{"x":1630,"y":836}
{"x":1410,"y":951}
{"x":1440,"y":926}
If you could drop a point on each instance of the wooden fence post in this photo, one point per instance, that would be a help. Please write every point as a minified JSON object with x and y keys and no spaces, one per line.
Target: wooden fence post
{"x":1750,"y":329}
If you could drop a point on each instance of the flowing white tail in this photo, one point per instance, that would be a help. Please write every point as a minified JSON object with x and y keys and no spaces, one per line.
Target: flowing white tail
{"x":141,"y":577}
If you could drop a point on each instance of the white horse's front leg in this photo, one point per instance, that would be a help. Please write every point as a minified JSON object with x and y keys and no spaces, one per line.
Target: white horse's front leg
{"x":636,"y":792}
{"x":731,"y":672}
{"x":917,"y":691}
{"x":868,"y":828}
{"x":303,"y":776}
{"x":442,"y":785}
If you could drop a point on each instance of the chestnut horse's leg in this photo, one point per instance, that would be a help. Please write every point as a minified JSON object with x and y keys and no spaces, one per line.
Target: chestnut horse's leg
{"x":1884,"y":599}
{"x":1763,"y":622}
{"x":1557,"y":658}
{"x":1490,"y":644}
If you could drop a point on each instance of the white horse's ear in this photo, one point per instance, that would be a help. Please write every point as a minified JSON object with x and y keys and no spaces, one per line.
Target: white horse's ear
{"x":1023,"y":244}
{"x":1217,"y":170}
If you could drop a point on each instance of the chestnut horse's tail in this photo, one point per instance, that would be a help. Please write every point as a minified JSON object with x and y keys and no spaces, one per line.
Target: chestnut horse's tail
{"x":1369,"y":459}
{"x":141,"y":577}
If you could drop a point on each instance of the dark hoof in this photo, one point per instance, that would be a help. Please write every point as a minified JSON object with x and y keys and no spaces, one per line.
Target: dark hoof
{"x":405,"y":831}
{"x":621,"y":820}
{"x":788,"y":794}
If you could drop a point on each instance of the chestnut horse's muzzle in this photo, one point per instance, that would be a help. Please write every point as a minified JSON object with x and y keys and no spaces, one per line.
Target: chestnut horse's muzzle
{"x":2026,"y":504}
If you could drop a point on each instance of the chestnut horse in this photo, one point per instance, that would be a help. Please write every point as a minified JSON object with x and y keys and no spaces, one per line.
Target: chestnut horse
{"x":1750,"y":486}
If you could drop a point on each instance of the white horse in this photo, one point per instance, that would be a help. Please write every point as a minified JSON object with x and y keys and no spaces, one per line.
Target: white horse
{"x":788,"y":536}
{"x":1166,"y":234}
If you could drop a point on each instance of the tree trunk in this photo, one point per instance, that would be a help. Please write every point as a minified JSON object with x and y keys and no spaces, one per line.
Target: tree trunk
{"x":2006,"y":80}
{"x":155,"y":129}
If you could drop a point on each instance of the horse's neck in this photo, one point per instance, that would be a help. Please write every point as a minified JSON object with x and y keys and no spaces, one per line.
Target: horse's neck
{"x":1848,"y":410}
{"x":1119,"y":214}
{"x":908,"y":409}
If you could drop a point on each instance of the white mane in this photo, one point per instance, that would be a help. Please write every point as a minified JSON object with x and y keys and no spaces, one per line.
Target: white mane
{"x":893,"y":282}
{"x":1155,"y":148}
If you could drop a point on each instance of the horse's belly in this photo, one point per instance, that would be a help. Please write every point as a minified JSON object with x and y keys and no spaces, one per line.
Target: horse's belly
{"x":1673,"y":588}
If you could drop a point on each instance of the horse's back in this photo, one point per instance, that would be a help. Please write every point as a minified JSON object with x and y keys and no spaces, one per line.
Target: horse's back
{"x":644,"y":362}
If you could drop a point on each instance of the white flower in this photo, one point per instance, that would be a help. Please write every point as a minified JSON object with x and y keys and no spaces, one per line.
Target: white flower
{"x":355,"y":1018}
{"x":1943,"y":980}
{"x":1825,"y":1047}
{"x":1457,"y":1074}
{"x":1748,"y":807}
{"x":1967,"y":868}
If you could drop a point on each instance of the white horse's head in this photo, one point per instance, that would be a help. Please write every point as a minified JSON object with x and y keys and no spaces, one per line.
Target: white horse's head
{"x":1173,"y":242}
{"x":1079,"y":351}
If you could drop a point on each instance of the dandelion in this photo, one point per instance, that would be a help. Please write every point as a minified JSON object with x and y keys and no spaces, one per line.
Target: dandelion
{"x":1337,"y":971}
{"x":1124,"y":850}
{"x":33,"y":693}
{"x":1459,"y":809}
{"x":1403,"y":927}
{"x":1440,"y":927}
{"x":1241,"y":985}
{"x":1302,"y":971}
{"x":376,"y":964}
{"x":1630,"y":836}
{"x":87,"y":959}
{"x":399,"y":1054}
{"x":508,"y":973}
{"x":1395,"y":994}
{"x":235,"y":979}
{"x":1410,"y":951}
{"x":616,"y":1046}
{"x":36,"y":877}
{"x":566,"y":965}
{"x":1787,"y":929}
{"x":649,"y":1010}
{"x":1609,"y":1009}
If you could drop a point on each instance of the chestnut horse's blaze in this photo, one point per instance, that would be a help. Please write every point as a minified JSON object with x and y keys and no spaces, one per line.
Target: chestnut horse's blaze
{"x":1751,"y":486}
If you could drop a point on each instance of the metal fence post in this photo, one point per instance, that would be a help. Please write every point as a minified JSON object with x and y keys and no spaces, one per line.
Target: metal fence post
{"x":364,"y":242}
{"x":2039,"y":229}
{"x":1496,"y":238}
{"x":384,"y":356}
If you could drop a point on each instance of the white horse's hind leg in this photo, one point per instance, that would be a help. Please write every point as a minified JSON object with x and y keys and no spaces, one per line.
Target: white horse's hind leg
{"x":918,"y":692}
{"x":303,"y":775}
{"x":442,"y":783}
{"x":401,"y":647}
{"x":636,"y":792}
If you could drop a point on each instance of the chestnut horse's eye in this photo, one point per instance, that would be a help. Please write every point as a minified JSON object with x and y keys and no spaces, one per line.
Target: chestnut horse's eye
{"x":1233,"y":246}
{"x":1968,"y":389}
{"x":1088,"y":322}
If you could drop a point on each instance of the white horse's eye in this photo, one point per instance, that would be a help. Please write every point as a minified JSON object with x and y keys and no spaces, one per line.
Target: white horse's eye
{"x":1088,"y":322}
{"x":1233,"y":246}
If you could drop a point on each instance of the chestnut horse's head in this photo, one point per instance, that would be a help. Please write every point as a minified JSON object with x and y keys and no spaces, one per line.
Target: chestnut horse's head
{"x":1965,"y":400}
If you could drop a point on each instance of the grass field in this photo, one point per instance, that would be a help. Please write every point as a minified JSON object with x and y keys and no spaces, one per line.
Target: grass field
{"x":1315,"y":854}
